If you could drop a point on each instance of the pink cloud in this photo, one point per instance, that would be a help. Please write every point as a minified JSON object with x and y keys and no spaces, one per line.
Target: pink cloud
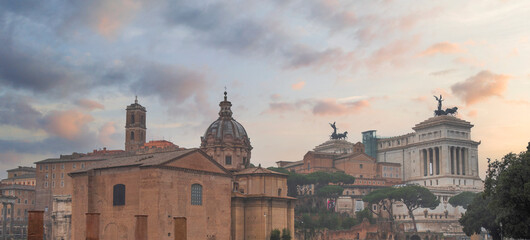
{"x":298,"y":85}
{"x":67,"y":124}
{"x":90,"y":104}
{"x":420,"y":99}
{"x":480,"y":87}
{"x":331,"y":107}
{"x":469,"y":61}
{"x":442,"y":72}
{"x":442,"y":48}
{"x":472,"y":113}
{"x":105,"y":133}
{"x":439,"y":91}
{"x":394,"y":53}
{"x":275,"y":97}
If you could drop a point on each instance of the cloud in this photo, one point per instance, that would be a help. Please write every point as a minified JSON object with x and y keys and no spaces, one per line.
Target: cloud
{"x":394,"y":53}
{"x":330,"y":13}
{"x":29,"y":69}
{"x":276,"y":97}
{"x":442,"y":72}
{"x":442,"y":48}
{"x":420,"y":99}
{"x":221,"y":26}
{"x":285,"y":107}
{"x":480,"y":87}
{"x":320,"y":107}
{"x":68,"y":124}
{"x":107,"y":134}
{"x":298,"y":85}
{"x":472,"y":113}
{"x":330,"y":107}
{"x":168,"y":82}
{"x":15,"y":111}
{"x":89,"y":104}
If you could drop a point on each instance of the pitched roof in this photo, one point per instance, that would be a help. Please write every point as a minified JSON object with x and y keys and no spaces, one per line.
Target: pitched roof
{"x":145,"y":160}
{"x":258,"y":170}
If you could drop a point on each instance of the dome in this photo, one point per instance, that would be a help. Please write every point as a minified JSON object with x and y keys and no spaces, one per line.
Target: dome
{"x":223,"y":127}
{"x":226,"y":140}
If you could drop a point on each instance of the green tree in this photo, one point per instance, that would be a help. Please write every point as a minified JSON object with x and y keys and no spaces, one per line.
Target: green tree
{"x":462,"y":199}
{"x":329,"y":191}
{"x":286,"y":234}
{"x":478,"y":215}
{"x":275,"y":234}
{"x":507,"y":184}
{"x":383,"y":199}
{"x":415,"y":197}
{"x":365,"y":213}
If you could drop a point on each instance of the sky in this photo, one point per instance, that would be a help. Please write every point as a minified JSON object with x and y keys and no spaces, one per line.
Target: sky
{"x":68,"y":69}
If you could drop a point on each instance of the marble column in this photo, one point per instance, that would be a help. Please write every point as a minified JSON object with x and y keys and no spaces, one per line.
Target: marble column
{"x":464,"y":161}
{"x":437,"y":156}
{"x":425,"y":164}
{"x":431,"y":161}
{"x":452,"y":150}
{"x":457,"y":157}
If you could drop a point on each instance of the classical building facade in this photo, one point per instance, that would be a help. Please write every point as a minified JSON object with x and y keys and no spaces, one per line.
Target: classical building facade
{"x":439,"y":155}
{"x":440,"y":152}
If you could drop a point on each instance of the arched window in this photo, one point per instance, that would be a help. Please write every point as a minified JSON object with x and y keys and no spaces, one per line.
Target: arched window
{"x":132,"y":135}
{"x":132,"y":118}
{"x":118,"y":195}
{"x":196,"y":194}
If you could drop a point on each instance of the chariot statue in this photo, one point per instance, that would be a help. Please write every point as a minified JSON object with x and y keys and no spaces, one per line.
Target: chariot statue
{"x":440,"y":112}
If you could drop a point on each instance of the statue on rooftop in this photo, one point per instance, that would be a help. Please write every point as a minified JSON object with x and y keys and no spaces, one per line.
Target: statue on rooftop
{"x":334,"y":128}
{"x":440,"y":112}
{"x":335,"y":135}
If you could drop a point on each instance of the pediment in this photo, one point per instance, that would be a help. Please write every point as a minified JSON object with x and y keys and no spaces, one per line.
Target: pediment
{"x":197,"y":160}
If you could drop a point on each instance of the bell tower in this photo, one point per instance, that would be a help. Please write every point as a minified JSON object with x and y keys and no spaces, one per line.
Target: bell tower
{"x":135,"y":126}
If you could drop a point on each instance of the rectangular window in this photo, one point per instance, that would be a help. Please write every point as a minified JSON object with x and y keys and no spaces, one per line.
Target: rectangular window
{"x":62,"y":175}
{"x":228,"y":160}
{"x":82,"y":165}
{"x":46,"y":167}
{"x":73,"y":165}
{"x":45,"y":184}
{"x":46,"y":176}
{"x":62,"y":166}
{"x":361,"y":166}
{"x":40,"y":167}
{"x":53,"y":167}
{"x":53,"y":175}
{"x":118,"y":195}
{"x":53,"y":184}
{"x":196,"y":194}
{"x":62,"y":183}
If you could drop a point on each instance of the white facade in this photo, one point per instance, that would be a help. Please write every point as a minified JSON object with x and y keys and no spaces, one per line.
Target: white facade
{"x":440,"y":153}
{"x":441,"y":156}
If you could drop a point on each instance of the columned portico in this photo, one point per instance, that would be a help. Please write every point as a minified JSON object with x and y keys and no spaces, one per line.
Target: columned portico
{"x":430,"y":161}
